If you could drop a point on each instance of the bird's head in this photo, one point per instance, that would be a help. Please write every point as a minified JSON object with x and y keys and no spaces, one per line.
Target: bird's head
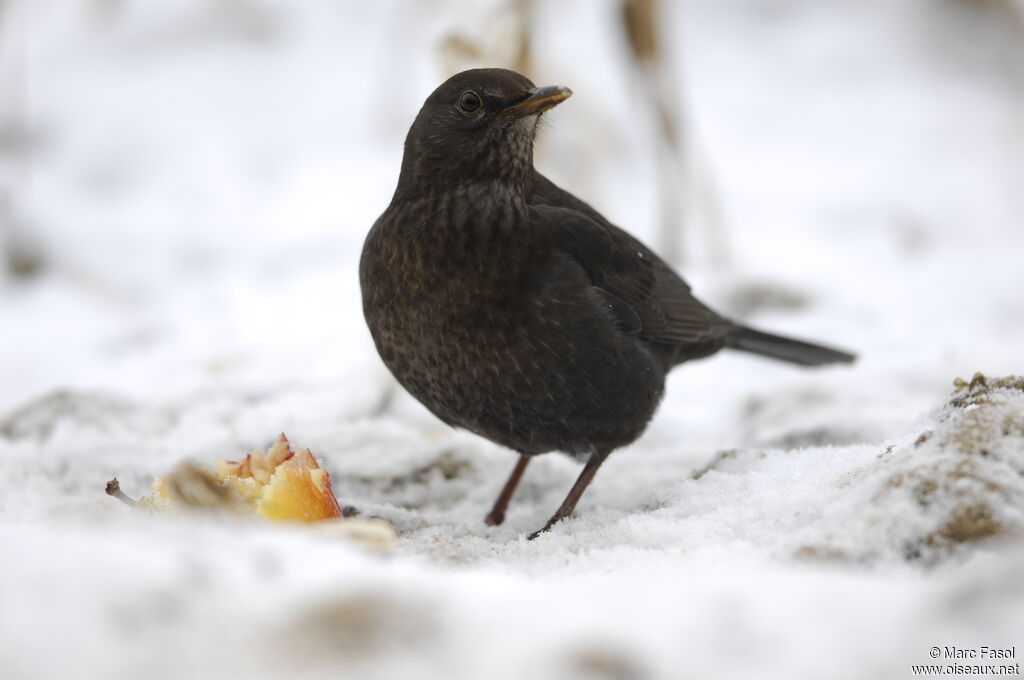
{"x":478,"y":126}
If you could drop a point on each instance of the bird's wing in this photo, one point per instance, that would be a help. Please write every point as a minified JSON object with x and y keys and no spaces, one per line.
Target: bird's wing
{"x":643,"y":292}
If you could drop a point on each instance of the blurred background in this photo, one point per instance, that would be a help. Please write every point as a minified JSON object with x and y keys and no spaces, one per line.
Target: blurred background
{"x":185,"y":185}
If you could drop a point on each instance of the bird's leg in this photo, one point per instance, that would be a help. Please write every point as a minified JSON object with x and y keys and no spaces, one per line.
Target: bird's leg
{"x":574,"y":493}
{"x":497,"y":514}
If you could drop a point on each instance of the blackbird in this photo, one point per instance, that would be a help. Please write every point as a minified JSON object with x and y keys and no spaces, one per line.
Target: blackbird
{"x":513,"y":309}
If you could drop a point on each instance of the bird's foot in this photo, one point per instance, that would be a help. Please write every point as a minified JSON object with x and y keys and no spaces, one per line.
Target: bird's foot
{"x":547,"y":527}
{"x":497,"y":514}
{"x":569,"y":504}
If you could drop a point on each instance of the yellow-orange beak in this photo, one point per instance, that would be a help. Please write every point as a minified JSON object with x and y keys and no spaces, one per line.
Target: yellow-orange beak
{"x":541,"y":99}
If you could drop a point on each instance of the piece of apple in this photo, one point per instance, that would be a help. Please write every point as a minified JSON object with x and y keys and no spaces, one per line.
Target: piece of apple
{"x":299,"y":489}
{"x":281,"y":484}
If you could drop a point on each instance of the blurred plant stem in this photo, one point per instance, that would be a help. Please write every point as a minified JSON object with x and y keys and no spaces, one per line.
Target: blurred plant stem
{"x":21,"y":253}
{"x":508,"y":43}
{"x":685,"y":189}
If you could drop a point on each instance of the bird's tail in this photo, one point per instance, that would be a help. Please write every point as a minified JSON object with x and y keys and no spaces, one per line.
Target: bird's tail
{"x":785,"y":349}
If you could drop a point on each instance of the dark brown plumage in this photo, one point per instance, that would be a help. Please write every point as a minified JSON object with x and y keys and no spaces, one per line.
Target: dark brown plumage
{"x":513,"y":309}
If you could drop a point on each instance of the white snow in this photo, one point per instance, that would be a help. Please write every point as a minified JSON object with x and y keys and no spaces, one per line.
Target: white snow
{"x":199,"y":177}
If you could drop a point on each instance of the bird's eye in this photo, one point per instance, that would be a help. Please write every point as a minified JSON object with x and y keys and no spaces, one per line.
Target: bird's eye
{"x":470,"y":102}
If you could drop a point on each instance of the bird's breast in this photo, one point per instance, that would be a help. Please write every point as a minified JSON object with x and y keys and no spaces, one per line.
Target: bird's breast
{"x":444,"y":268}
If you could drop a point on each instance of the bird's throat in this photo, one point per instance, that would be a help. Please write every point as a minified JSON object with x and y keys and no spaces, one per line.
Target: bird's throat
{"x":484,"y":211}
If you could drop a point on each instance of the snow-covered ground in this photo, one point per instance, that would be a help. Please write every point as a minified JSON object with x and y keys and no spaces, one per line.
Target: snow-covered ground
{"x":198,"y":177}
